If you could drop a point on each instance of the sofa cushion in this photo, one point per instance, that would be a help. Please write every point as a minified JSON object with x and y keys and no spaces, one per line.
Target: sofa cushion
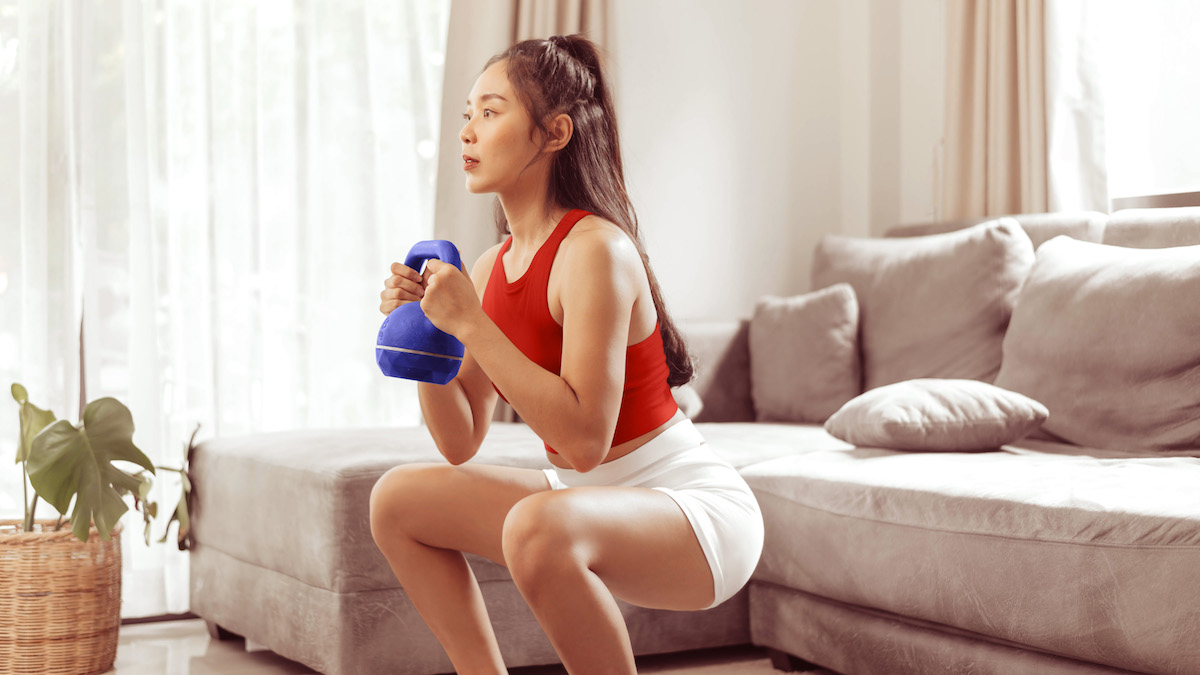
{"x":746,"y":444}
{"x":932,"y":306}
{"x":1107,"y":338}
{"x":1039,"y":544}
{"x":721,"y":351}
{"x":282,"y":554}
{"x":936,"y":415}
{"x":311,"y":493}
{"x":804,"y":361}
{"x":688,"y":400}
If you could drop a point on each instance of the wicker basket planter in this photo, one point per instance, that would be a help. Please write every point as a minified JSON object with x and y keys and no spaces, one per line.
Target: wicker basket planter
{"x":60,"y":601}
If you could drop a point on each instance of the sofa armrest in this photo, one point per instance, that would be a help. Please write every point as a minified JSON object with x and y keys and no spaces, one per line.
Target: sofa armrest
{"x":721,"y":352}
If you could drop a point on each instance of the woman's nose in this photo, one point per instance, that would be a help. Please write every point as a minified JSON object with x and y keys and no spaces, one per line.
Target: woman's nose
{"x":464,"y":135}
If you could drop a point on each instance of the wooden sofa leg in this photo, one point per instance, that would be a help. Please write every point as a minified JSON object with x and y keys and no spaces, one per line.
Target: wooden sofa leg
{"x":218,"y":633}
{"x":784,"y":661}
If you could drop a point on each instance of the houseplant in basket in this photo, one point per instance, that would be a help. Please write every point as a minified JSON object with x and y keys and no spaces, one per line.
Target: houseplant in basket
{"x":60,"y":589}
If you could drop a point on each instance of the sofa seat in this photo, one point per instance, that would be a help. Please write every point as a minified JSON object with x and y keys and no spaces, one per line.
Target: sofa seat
{"x":984,"y":542}
{"x":312,"y":490}
{"x":318,"y":482}
{"x":283,"y":554}
{"x":744,"y":444}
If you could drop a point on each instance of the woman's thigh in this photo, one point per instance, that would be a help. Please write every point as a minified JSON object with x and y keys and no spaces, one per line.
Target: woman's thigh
{"x":453,"y":507}
{"x":637,"y":540}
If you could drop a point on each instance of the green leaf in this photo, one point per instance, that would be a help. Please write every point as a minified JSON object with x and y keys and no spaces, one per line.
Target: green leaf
{"x":149,"y":513}
{"x":33,"y":420}
{"x":185,"y":525}
{"x":144,"y":485}
{"x":57,"y":460}
{"x":180,"y":514}
{"x":148,"y":508}
{"x":66,"y":462}
{"x":110,"y":424}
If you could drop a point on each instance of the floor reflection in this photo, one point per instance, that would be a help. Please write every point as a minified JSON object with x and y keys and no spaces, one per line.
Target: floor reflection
{"x":184,"y":648}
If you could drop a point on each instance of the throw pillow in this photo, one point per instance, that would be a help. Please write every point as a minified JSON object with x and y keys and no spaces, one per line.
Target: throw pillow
{"x":1109,"y":339}
{"x":931,"y":306}
{"x":688,"y":400}
{"x":937,"y":415}
{"x":804,"y":361}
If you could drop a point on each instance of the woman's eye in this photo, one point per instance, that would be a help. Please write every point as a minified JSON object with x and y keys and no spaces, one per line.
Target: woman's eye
{"x":486,"y":112}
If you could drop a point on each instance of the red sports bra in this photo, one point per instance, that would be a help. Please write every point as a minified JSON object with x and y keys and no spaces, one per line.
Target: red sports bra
{"x":522,"y":311}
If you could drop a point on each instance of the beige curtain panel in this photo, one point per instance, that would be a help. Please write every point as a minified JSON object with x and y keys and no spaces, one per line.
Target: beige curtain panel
{"x":995,"y":142}
{"x":543,"y":18}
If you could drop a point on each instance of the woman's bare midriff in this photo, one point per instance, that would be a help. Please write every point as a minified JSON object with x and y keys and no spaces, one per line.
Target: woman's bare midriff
{"x":618,"y":451}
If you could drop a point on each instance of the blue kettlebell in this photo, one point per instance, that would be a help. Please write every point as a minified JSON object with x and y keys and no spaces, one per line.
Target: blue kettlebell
{"x":409,"y":345}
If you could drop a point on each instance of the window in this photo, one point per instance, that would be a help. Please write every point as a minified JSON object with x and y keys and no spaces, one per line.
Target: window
{"x":1152,"y":101}
{"x":217,"y":188}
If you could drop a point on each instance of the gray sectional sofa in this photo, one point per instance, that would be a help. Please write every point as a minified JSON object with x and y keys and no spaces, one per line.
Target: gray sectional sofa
{"x":1044,"y":556}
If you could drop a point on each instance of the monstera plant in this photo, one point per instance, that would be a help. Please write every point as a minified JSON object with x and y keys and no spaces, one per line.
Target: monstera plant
{"x":67,"y":463}
{"x":65,"y":591}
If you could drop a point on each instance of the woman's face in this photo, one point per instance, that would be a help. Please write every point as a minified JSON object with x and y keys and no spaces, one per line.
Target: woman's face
{"x":496,"y":143}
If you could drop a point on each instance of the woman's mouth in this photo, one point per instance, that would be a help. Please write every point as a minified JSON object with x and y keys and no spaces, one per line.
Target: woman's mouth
{"x":469,"y":163}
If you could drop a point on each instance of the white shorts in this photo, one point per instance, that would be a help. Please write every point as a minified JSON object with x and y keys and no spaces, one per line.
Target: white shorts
{"x":716,"y":500}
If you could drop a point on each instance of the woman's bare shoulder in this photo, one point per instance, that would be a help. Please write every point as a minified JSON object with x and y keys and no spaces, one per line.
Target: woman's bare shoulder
{"x":597,"y":236}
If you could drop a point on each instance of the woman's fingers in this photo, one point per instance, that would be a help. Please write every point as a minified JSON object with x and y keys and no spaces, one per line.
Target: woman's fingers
{"x":402,"y":270}
{"x":403,"y":286}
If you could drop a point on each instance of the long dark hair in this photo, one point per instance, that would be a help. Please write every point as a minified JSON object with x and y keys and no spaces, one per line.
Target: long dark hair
{"x":563,"y":75}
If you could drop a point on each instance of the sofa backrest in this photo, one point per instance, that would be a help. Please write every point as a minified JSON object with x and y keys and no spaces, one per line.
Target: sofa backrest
{"x":1041,"y":227}
{"x":721,"y":349}
{"x":1154,"y":228}
{"x":1132,"y":228}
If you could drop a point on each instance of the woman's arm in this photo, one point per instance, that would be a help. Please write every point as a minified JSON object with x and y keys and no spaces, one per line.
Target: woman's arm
{"x":459,"y":412}
{"x":575,"y":412}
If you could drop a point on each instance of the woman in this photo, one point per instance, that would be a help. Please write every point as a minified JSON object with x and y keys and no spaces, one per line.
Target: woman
{"x":571,"y":331}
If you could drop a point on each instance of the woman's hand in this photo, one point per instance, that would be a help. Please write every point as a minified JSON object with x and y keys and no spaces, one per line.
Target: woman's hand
{"x":450,"y":302}
{"x":404,"y":286}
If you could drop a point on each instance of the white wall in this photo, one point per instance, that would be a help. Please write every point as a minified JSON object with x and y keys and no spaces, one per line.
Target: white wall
{"x":751,"y":128}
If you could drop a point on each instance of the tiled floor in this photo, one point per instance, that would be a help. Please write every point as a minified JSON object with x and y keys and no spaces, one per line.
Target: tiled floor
{"x":184,"y":648}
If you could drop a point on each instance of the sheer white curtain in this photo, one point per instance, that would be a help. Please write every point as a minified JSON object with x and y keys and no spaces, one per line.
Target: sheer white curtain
{"x":1151,"y":98}
{"x":218,"y":188}
{"x":1025,"y":113}
{"x":1075,"y":104}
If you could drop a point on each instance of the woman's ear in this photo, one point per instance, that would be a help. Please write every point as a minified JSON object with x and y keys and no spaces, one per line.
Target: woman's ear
{"x":560,"y":130}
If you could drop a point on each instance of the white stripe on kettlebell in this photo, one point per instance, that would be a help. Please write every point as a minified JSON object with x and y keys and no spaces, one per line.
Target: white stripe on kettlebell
{"x":414,"y":351}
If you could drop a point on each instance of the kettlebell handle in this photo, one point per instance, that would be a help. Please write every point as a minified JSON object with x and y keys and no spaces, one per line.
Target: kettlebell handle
{"x":433,"y":248}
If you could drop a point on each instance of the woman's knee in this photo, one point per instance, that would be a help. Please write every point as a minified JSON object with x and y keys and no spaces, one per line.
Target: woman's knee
{"x":538,"y":541}
{"x":393,"y":498}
